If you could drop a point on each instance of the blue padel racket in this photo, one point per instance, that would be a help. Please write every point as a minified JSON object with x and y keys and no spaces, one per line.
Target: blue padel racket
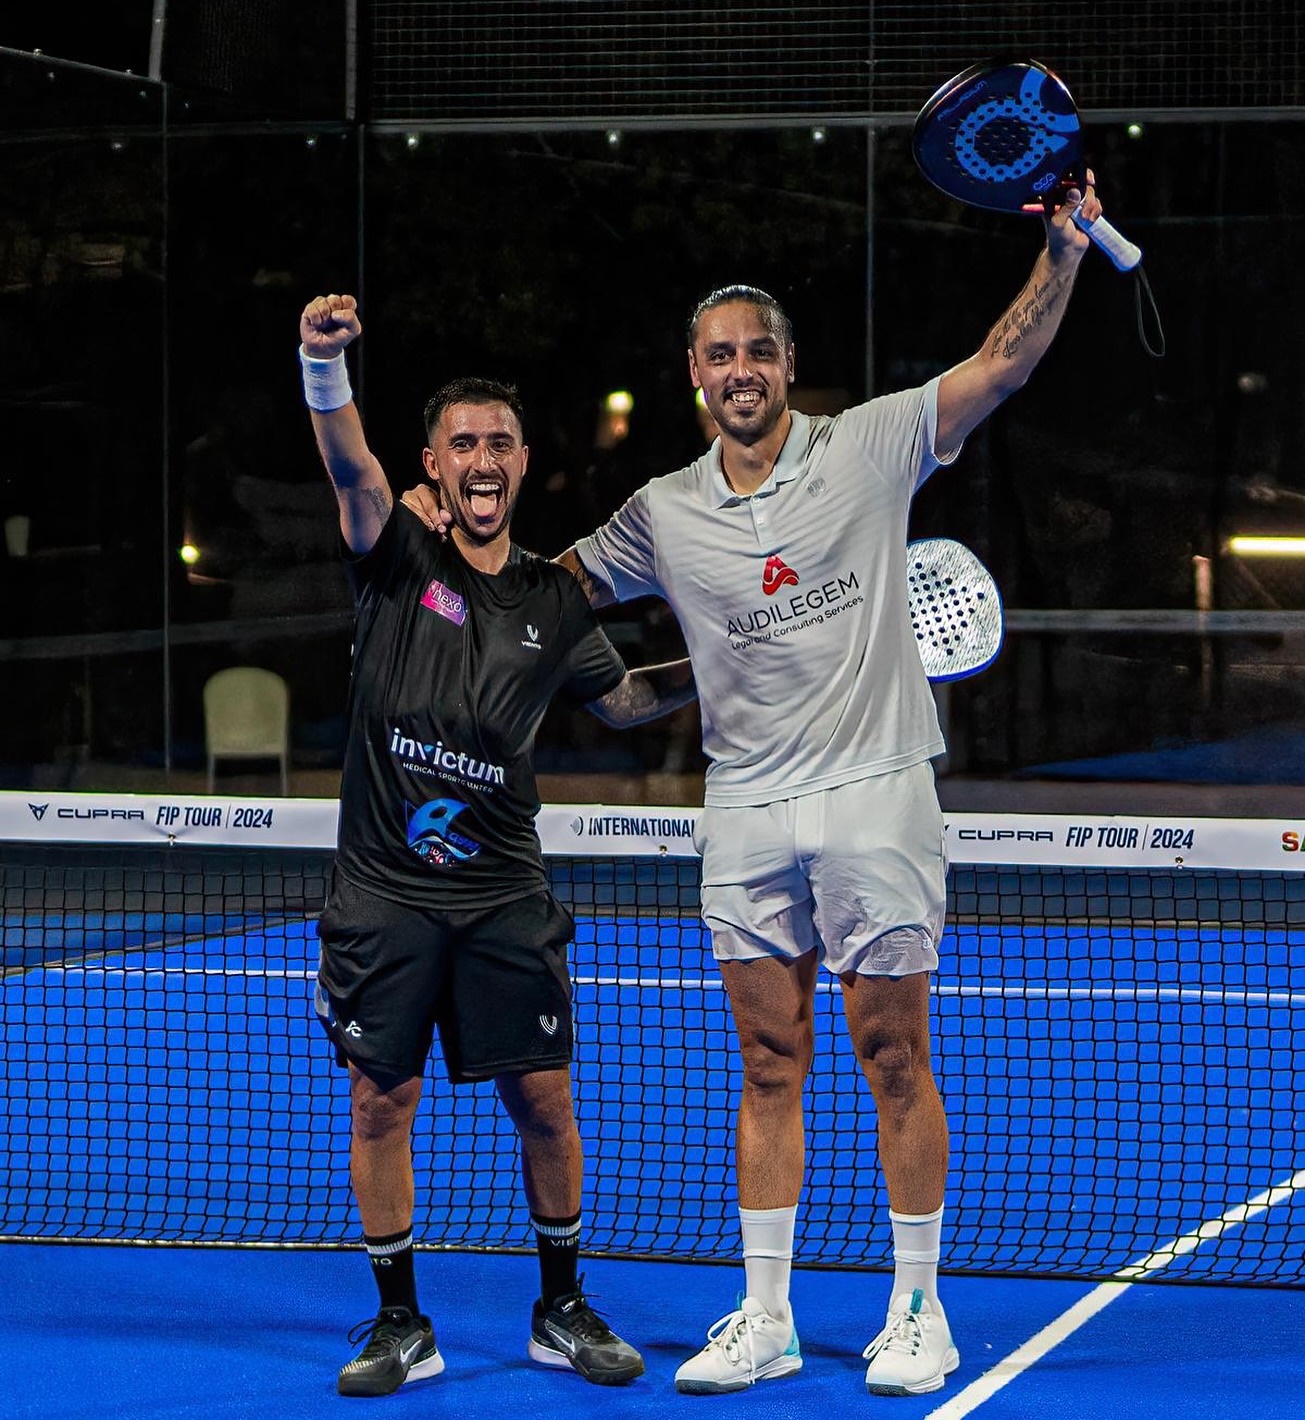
{"x":955,"y":608}
{"x":1006,"y":136}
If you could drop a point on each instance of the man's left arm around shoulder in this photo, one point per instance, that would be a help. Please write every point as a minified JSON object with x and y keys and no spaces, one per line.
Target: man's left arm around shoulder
{"x":644,"y":694}
{"x":970,"y":391}
{"x":423,"y":501}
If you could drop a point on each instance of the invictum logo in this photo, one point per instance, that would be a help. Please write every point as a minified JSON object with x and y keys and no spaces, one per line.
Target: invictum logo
{"x":417,"y":754}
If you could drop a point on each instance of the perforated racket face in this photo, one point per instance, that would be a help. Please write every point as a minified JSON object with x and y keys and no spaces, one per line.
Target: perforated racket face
{"x":956,"y":611}
{"x":1002,"y":138}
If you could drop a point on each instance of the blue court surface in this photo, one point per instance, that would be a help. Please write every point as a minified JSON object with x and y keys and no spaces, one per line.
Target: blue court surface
{"x":1122,"y":1075}
{"x":1110,"y":1089}
{"x":93,"y":1331}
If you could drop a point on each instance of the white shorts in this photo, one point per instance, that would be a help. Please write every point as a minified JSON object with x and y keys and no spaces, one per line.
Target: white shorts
{"x":857,"y":873}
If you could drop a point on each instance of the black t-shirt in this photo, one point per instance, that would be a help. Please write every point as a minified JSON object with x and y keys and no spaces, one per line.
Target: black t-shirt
{"x":452,"y":672}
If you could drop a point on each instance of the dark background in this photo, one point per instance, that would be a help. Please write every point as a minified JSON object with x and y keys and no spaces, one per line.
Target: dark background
{"x":520,"y":202}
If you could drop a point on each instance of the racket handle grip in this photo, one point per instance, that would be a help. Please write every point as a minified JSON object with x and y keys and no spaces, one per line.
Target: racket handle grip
{"x":1123,"y":253}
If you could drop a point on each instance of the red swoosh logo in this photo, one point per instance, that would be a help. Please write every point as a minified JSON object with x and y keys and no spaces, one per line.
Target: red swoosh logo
{"x":777,"y":575}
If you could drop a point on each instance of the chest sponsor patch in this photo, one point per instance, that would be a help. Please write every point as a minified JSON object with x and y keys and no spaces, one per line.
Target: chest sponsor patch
{"x":449,"y":605}
{"x":777,"y":574}
{"x":432,"y":837}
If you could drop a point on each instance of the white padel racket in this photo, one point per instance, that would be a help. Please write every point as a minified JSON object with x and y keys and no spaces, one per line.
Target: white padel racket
{"x":955,"y":609}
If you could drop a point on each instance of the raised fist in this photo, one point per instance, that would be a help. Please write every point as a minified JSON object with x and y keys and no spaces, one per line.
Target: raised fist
{"x":328,"y":324}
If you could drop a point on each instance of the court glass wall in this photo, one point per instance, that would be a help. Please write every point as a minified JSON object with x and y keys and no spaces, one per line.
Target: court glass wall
{"x":166,"y":515}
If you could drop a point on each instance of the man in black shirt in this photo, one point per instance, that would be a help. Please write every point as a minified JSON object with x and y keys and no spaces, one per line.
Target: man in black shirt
{"x":440,"y":915}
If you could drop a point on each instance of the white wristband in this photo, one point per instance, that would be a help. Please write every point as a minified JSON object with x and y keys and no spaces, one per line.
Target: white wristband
{"x":326,"y":382}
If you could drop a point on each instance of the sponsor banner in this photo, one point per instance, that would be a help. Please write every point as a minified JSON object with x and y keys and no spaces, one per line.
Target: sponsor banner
{"x":1108,"y":841}
{"x":604,"y":831}
{"x":35,"y":817}
{"x":574,"y":830}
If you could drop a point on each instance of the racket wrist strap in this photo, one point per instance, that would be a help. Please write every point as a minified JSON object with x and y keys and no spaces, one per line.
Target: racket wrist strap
{"x":326,"y":382}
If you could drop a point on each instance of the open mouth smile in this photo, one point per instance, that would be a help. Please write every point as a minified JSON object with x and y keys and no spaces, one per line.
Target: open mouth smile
{"x":484,"y":497}
{"x":743,"y":400}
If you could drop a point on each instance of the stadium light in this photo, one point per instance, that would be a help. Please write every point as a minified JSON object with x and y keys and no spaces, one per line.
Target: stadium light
{"x":1245,"y":546}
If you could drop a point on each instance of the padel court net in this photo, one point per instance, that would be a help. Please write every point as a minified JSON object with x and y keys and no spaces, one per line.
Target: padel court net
{"x":1119,"y":1036}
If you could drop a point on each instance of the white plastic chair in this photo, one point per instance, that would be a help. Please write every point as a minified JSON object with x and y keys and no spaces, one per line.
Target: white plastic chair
{"x":247,"y":716}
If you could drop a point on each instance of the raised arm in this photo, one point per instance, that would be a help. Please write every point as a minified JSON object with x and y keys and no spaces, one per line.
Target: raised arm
{"x":645,"y":693}
{"x":328,"y":325}
{"x":970,"y":391}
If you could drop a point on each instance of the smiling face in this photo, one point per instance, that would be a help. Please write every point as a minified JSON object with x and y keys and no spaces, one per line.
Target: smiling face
{"x":743,"y":368}
{"x":477,"y":458}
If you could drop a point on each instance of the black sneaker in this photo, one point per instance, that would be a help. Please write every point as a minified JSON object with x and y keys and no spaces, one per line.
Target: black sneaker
{"x":400,"y":1347}
{"x":571,"y":1333}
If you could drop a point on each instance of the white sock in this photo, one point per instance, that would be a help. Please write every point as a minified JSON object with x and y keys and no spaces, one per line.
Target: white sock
{"x":768,"y":1256}
{"x":917,"y":1244}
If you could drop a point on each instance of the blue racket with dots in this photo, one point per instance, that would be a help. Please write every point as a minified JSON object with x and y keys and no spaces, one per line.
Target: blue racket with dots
{"x":1006,"y":136}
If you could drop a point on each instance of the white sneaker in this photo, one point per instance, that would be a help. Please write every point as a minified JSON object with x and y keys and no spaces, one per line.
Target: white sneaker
{"x":746,"y":1346}
{"x":913,"y":1352}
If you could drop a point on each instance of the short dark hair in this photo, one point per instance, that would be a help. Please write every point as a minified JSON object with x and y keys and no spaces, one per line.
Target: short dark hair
{"x":772,"y":312}
{"x":473,"y":390}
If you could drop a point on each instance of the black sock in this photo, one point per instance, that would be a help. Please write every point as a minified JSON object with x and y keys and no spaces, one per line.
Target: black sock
{"x":558,"y":1242}
{"x":391,"y":1259}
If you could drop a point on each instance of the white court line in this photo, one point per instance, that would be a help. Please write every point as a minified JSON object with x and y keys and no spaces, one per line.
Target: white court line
{"x":1239,"y":1213}
{"x":965,"y":1402}
{"x":1189,"y":995}
{"x":302,"y":974}
{"x":988,"y":1384}
{"x":1194,"y":996}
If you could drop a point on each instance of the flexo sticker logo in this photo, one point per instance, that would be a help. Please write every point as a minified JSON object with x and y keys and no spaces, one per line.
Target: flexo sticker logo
{"x":438,"y":598}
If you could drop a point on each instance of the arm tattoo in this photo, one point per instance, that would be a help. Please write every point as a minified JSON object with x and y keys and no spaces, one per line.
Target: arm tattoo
{"x":1027,"y":313}
{"x":595,"y":593}
{"x":631,"y":698}
{"x":381,"y":502}
{"x":378,"y":501}
{"x":581,"y":573}
{"x":646,"y":693}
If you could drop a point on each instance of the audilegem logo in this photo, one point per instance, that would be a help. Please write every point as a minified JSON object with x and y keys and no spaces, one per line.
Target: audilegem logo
{"x":777,"y":574}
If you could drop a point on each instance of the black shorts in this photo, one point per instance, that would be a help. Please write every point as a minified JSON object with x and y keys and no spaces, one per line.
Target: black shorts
{"x":493,"y":981}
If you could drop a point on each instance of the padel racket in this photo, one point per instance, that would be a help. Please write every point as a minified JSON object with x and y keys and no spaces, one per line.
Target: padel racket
{"x":955,"y":608}
{"x":1006,"y":136}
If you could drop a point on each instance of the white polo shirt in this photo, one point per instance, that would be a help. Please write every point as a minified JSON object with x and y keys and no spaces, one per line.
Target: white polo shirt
{"x":793,"y":600}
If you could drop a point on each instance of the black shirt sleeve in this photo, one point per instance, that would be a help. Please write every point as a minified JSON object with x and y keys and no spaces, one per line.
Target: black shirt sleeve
{"x":594,"y":666}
